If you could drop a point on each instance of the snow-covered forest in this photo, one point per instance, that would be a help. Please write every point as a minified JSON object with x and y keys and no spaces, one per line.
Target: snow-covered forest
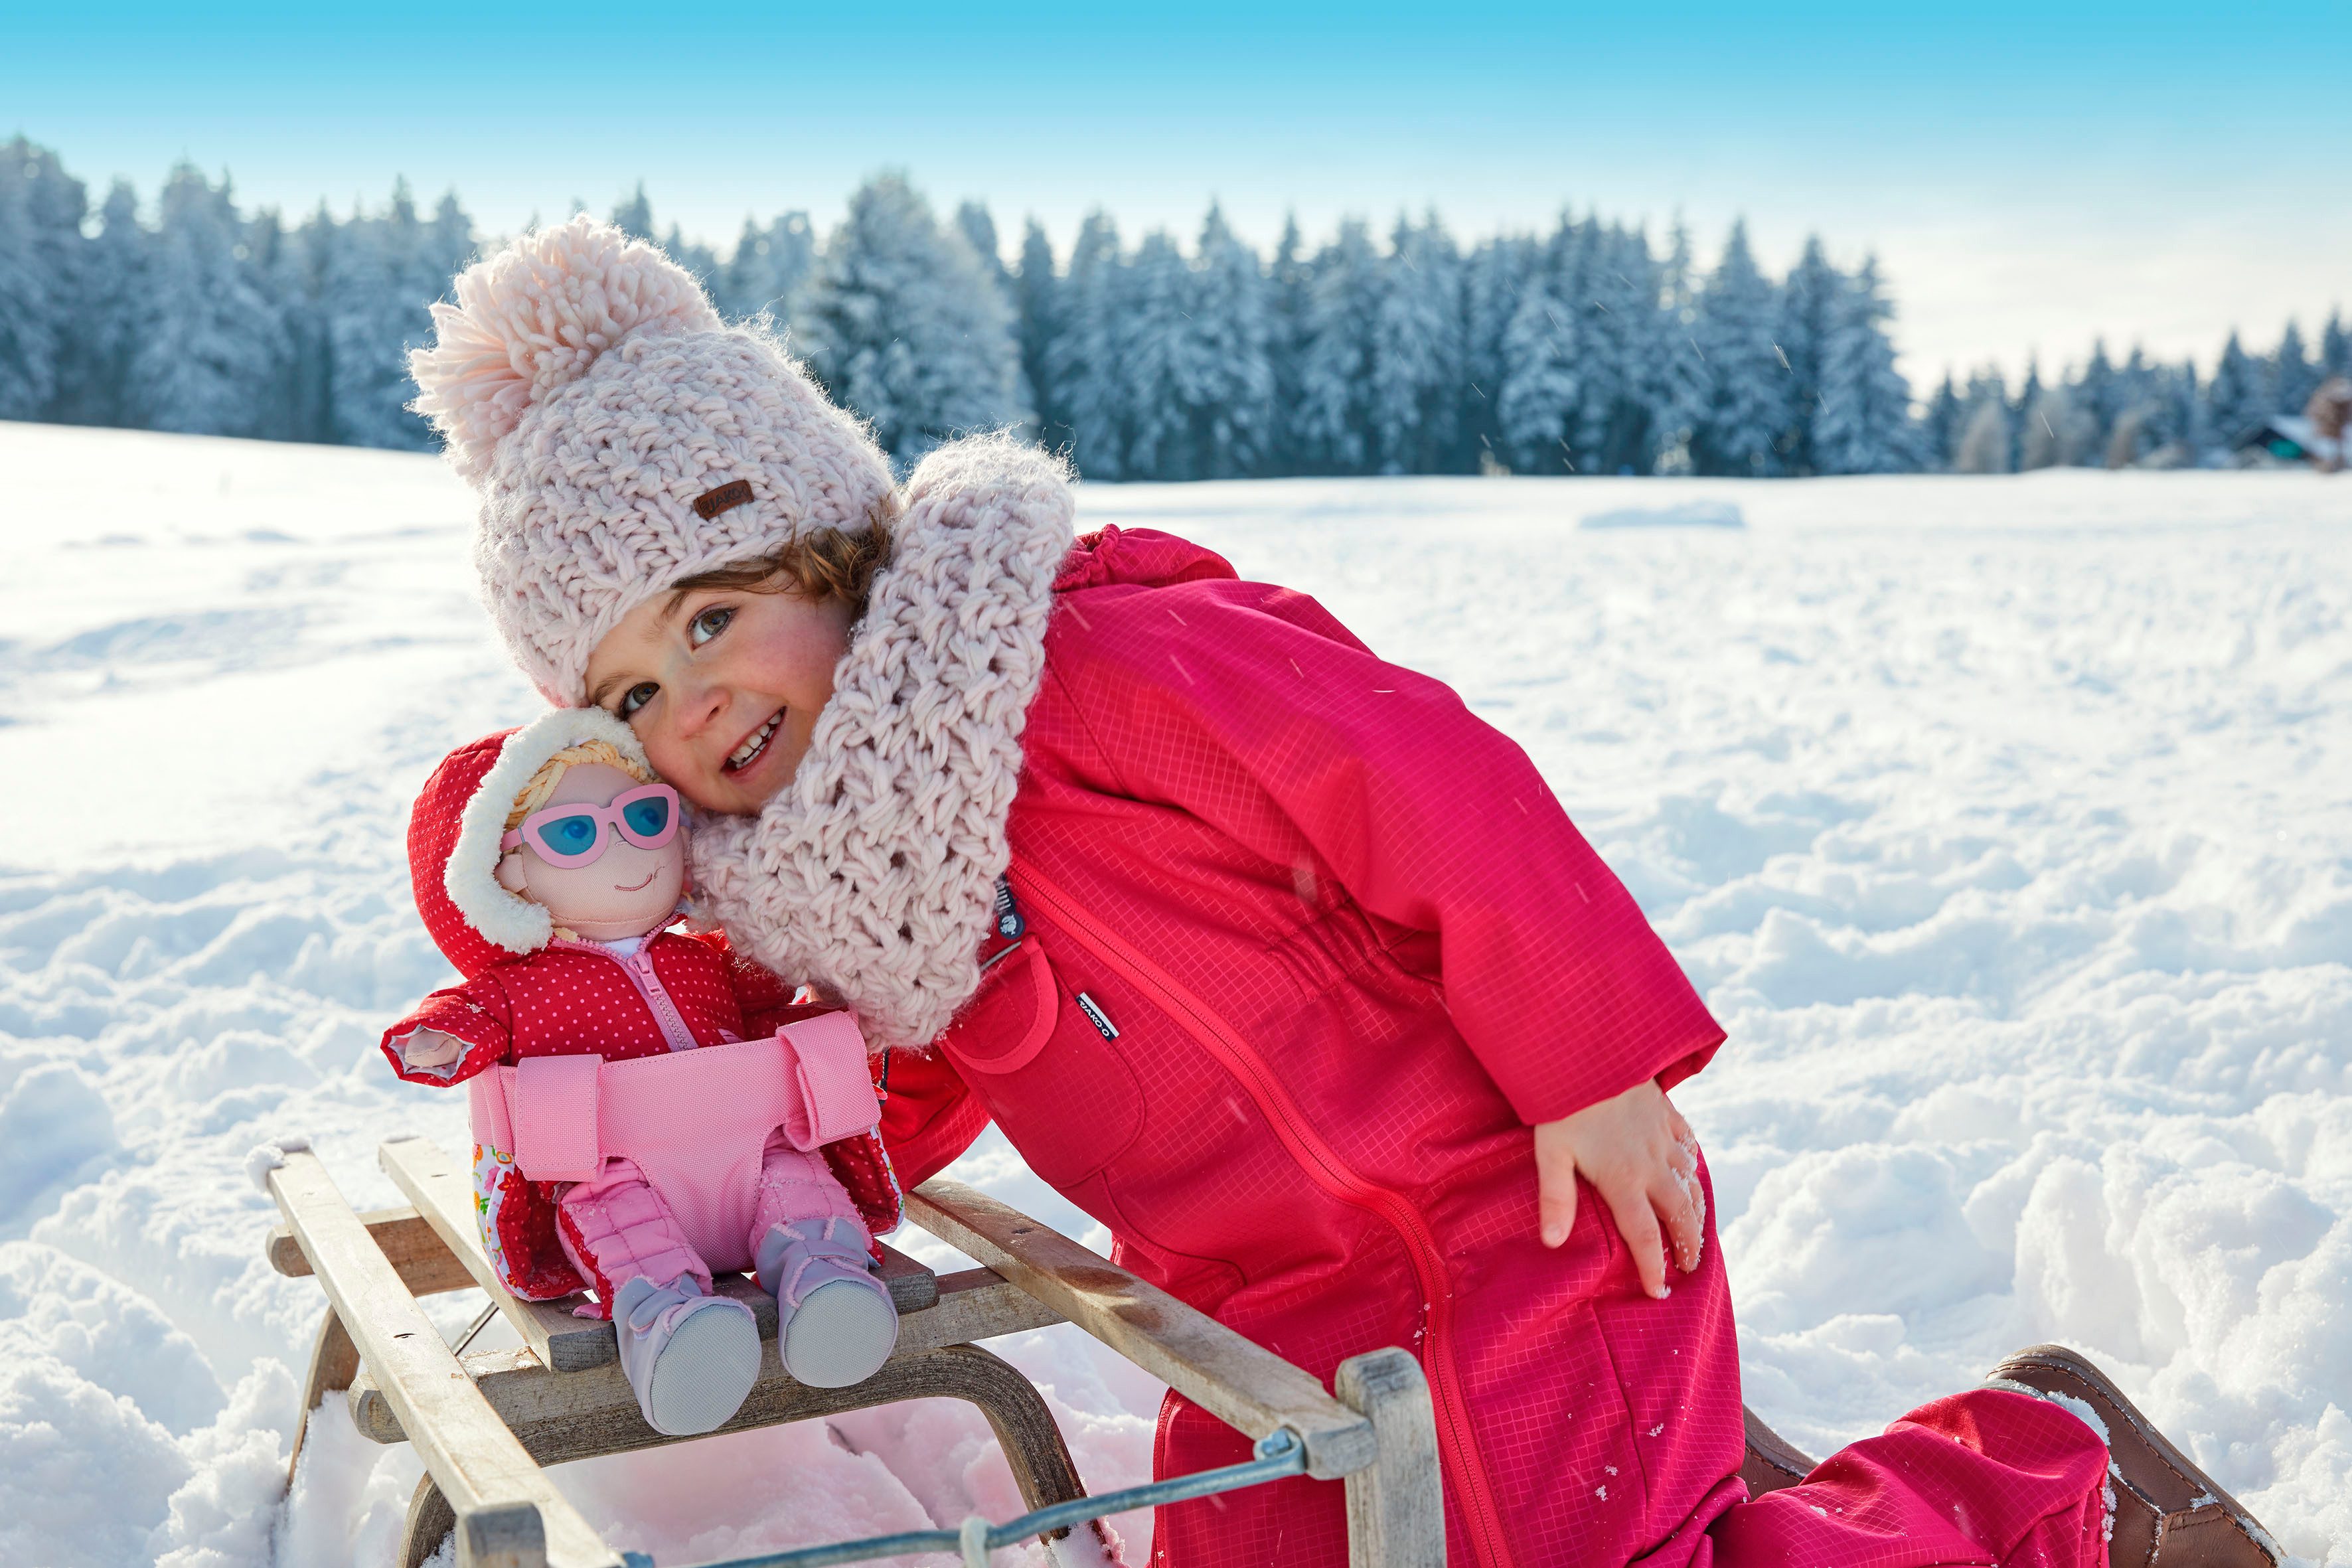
{"x":1591,"y":350}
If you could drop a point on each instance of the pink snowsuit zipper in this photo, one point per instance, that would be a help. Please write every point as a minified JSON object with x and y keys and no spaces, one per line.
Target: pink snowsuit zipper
{"x":639,"y":967}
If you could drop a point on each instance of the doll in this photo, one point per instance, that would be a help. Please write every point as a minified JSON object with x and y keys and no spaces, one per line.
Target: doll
{"x":646,"y":1107}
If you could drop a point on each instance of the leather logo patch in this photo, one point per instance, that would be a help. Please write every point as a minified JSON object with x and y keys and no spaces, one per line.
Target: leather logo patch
{"x":732,"y":494}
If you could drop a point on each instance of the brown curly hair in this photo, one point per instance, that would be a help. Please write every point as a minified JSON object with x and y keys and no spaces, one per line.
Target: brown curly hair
{"x":822,"y":563}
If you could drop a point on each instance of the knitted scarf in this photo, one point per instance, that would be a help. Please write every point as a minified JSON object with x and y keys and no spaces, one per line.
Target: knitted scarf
{"x":873,"y":872}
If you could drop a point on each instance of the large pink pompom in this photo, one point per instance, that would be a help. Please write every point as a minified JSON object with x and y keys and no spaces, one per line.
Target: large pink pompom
{"x":532,"y":317}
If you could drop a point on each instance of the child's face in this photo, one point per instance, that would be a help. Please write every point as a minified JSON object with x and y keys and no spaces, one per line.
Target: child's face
{"x":625,"y":891}
{"x":723,"y":686}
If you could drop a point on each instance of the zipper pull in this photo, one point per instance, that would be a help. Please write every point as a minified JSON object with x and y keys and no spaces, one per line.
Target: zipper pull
{"x":1009,"y":924}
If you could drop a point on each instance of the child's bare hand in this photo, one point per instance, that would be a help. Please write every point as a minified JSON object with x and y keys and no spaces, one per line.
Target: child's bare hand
{"x":431,"y":1048}
{"x":1638,"y":1153}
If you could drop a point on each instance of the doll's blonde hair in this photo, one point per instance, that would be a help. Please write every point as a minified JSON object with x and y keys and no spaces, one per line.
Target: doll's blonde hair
{"x":542,"y":782}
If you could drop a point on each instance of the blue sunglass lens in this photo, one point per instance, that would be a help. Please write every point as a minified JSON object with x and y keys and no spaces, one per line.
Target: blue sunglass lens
{"x":569,"y":835}
{"x":647,"y":818}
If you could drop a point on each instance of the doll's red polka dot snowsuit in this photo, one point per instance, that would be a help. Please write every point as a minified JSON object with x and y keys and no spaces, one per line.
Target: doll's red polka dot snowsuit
{"x":678,"y":991}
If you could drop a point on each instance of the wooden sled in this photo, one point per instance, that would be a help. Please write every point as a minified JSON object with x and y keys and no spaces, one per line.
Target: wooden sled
{"x":483,"y":1422}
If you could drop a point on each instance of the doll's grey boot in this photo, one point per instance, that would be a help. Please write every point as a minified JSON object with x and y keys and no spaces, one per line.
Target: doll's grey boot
{"x":835,"y":1323}
{"x":690,"y":1358}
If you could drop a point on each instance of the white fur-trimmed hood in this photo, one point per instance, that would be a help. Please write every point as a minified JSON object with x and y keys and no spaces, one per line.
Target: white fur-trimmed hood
{"x":471,"y":877}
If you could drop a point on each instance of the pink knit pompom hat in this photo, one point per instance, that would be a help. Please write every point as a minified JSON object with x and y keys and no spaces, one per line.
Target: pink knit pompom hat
{"x":622,"y":437}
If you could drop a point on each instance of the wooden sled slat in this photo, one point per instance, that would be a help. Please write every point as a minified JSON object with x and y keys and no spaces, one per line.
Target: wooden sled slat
{"x":1242,"y":1384}
{"x":423,"y":1261}
{"x":506,"y":1511}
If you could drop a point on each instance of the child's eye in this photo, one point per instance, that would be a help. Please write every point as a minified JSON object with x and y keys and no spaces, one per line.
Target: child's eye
{"x":634,"y":698}
{"x":709,"y":624}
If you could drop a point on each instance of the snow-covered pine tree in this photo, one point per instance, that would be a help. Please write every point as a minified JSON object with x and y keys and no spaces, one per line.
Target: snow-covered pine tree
{"x":445,"y":249}
{"x":1940,"y":427}
{"x":1288,"y":276}
{"x":270,"y":250}
{"x":2147,"y":421}
{"x":1572,"y":263}
{"x":2057,"y":433}
{"x":2233,"y":398}
{"x":1984,"y":440}
{"x":904,"y":327}
{"x":2021,"y":412}
{"x":297,"y":281}
{"x":767,"y":265}
{"x":1083,"y":358}
{"x":1417,"y":353}
{"x":2334,"y":348}
{"x":210,"y":339}
{"x":1538,"y":395}
{"x":1619,"y":341}
{"x":2096,"y":400}
{"x":1334,"y":415}
{"x":2289,"y":376}
{"x":41,"y":245}
{"x":1747,"y":401}
{"x":633,"y":215}
{"x":1037,"y":307}
{"x":382,"y":278}
{"x":974,"y":221}
{"x":1862,"y":423}
{"x":1492,"y":280}
{"x":1812,"y":299}
{"x":116,"y":303}
{"x":978,"y":227}
{"x":1157,"y":321}
{"x":2193,"y":417}
{"x":1680,"y":385}
{"x":1228,"y":384}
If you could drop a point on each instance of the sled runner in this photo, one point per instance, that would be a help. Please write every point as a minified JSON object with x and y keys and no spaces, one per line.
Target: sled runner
{"x":485,"y":1422}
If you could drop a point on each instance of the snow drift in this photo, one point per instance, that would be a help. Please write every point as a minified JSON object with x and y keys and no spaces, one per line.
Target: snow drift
{"x":2002,"y":820}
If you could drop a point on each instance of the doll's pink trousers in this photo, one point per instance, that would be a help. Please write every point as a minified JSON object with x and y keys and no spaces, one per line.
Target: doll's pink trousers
{"x":617,"y":1226}
{"x":679,"y":1164}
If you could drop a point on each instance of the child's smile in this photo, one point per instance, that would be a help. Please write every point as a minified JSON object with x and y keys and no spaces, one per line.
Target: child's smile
{"x":756,"y":746}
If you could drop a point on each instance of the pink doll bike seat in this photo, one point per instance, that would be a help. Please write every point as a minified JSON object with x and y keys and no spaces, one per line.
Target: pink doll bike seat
{"x":696,"y":1121}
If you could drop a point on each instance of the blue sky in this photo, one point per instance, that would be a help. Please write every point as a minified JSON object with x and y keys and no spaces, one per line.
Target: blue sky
{"x":2030,"y":175}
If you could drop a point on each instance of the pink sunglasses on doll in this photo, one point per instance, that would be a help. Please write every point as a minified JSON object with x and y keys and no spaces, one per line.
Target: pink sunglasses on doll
{"x":574,"y":834}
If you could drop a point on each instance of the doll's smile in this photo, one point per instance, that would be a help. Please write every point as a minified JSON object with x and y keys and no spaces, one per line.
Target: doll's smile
{"x":640,"y":887}
{"x":755,"y":743}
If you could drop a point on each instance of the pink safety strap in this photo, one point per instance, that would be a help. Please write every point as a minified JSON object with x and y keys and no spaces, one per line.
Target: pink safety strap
{"x":553,"y":1108}
{"x":836,"y":1098}
{"x":486,"y":1098}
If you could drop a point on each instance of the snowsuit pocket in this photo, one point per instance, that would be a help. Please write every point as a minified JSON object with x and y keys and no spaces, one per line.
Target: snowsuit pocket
{"x":1067,"y":1101}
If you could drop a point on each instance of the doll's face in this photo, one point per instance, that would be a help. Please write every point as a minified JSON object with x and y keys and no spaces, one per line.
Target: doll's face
{"x":625,"y":891}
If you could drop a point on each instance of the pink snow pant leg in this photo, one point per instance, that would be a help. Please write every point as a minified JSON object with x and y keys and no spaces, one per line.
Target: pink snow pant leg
{"x":616,"y":1227}
{"x":793,"y":1186}
{"x":1988,"y":1477}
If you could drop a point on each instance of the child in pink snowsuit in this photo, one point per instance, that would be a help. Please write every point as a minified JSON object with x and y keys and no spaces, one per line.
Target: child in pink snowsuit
{"x":548,"y":863}
{"x":1265,"y":953}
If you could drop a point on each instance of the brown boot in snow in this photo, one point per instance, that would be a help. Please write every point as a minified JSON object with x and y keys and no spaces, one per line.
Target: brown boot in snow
{"x":1772,"y":1461}
{"x":2168,"y":1513}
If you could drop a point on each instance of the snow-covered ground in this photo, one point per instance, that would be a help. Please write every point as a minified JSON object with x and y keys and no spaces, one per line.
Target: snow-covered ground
{"x":2005,"y":823}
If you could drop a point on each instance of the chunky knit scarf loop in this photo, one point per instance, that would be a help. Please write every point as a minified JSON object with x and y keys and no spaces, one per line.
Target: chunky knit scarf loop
{"x":872,"y":873}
